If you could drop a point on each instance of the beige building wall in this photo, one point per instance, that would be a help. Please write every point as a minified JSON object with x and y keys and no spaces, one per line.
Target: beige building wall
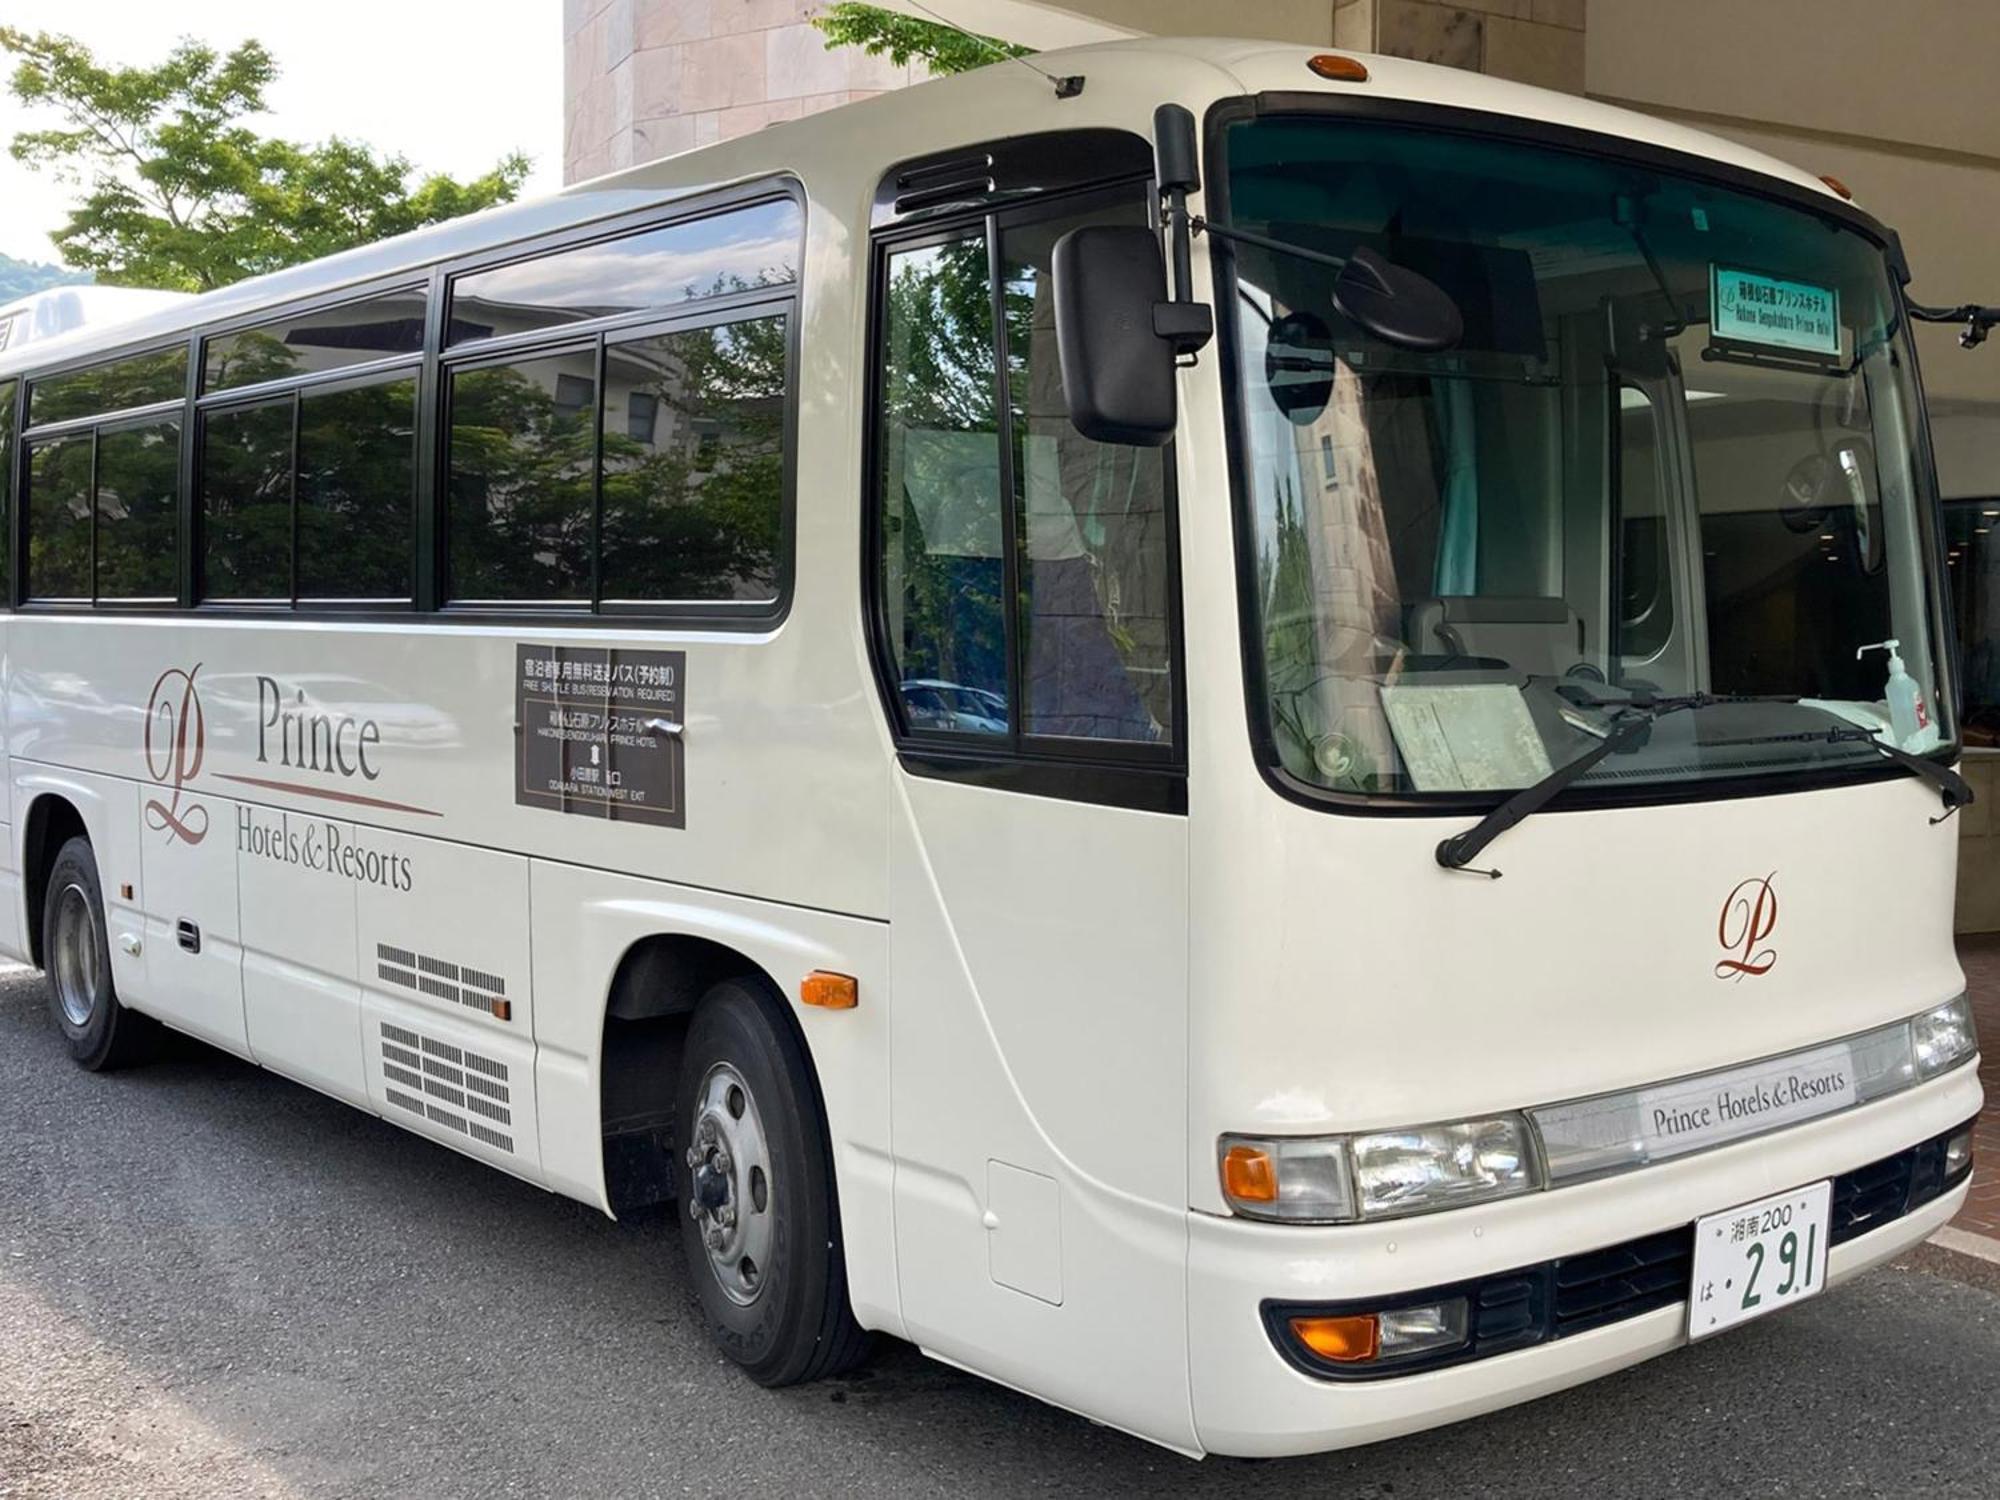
{"x":646,"y":78}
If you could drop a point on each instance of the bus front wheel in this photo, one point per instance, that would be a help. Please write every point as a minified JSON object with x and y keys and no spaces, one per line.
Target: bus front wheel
{"x":76,"y":948}
{"x":759,"y":1220}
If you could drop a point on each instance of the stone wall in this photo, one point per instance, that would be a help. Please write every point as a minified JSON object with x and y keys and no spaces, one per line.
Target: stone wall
{"x":647,"y":78}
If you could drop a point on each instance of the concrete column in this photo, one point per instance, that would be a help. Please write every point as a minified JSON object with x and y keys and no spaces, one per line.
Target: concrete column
{"x":1529,"y":41}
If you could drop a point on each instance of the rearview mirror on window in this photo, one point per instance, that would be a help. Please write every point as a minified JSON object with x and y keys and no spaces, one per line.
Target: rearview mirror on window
{"x":1118,"y":372}
{"x":1396,"y":304}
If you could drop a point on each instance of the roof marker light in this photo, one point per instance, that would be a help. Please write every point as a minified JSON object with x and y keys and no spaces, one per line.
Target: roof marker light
{"x":1331,"y":65}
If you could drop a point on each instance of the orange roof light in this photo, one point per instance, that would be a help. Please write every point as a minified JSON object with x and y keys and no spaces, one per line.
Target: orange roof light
{"x":1331,"y":65}
{"x":1249,"y":1175}
{"x":1349,"y":1341}
{"x":1837,"y":185}
{"x":830,"y":991}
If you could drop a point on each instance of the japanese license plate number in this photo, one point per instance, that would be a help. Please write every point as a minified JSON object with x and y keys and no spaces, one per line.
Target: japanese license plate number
{"x":1758,"y":1257}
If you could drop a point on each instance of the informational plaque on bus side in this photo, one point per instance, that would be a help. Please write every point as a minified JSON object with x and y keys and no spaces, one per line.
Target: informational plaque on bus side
{"x":598,"y":732}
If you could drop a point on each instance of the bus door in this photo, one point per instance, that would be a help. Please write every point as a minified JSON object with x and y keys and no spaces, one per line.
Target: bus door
{"x":1025,"y":617}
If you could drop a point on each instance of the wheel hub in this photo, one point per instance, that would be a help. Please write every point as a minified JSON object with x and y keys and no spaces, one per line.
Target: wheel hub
{"x":730,"y":1199}
{"x":73,"y":964}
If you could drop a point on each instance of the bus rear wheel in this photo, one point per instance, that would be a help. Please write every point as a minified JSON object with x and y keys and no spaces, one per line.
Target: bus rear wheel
{"x":759,"y":1220}
{"x":102,"y":1034}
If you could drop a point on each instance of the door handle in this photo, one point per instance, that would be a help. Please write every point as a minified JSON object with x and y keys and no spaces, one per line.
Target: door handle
{"x":663,"y":726}
{"x":189,"y":935}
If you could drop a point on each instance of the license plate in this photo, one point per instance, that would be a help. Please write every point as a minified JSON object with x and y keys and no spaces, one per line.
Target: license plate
{"x":1759,"y":1257}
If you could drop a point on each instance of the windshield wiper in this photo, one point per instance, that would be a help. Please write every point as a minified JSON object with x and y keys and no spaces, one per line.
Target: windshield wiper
{"x":1629,"y":729}
{"x":1952,"y":788}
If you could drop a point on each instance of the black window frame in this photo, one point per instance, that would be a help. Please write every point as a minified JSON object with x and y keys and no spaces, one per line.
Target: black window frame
{"x":91,"y":427}
{"x":1149,"y":777}
{"x":430,"y":563}
{"x":597,"y":339}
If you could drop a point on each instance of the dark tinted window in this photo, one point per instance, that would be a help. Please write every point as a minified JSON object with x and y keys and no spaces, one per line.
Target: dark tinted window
{"x":710,"y":257}
{"x":520,"y":488}
{"x":59,"y":518}
{"x":694,"y":463}
{"x":329,"y":339}
{"x":139,"y":381}
{"x":246,"y":494}
{"x":356,"y":488}
{"x":138,"y":511}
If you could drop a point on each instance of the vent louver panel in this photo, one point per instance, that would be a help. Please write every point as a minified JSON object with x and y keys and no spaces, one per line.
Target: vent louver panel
{"x":447,"y":1085}
{"x":441,"y":979}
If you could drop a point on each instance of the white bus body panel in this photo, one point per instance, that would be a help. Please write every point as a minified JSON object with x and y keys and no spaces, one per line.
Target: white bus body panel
{"x":1040,"y":1047}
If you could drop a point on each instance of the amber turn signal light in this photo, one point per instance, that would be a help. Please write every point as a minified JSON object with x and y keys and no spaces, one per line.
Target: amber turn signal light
{"x":1837,"y":185}
{"x":1347,"y":1341}
{"x":1331,"y":65}
{"x":1249,"y":1175}
{"x":830,"y":991}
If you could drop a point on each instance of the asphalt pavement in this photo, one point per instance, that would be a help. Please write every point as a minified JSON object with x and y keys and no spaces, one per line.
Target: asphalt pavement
{"x":215,"y":1283}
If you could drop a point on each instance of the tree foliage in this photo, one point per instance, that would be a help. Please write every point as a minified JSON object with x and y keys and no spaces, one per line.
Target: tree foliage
{"x":886,"y":33}
{"x":177,"y":191}
{"x":691,"y":476}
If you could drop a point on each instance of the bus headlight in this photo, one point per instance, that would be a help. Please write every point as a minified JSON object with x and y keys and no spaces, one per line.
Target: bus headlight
{"x":1441,"y":1166}
{"x":1384,"y":1174}
{"x":1943,"y":1038}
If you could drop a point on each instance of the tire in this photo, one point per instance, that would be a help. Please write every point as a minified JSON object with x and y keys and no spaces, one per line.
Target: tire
{"x":76,"y":952}
{"x":759,"y":1220}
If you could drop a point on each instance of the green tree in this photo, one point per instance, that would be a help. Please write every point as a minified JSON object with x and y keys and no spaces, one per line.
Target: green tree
{"x":177,"y":192}
{"x":885,"y":33}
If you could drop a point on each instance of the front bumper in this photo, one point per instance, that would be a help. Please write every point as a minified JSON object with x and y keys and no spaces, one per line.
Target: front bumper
{"x":1249,"y":1400}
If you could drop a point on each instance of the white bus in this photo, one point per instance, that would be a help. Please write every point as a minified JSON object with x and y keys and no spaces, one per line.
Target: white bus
{"x":944,"y":687}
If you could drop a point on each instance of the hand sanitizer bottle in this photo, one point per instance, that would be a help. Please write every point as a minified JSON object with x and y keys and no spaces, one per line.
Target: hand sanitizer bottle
{"x":1909,"y":715}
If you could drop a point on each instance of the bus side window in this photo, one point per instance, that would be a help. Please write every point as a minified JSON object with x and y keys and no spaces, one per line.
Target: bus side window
{"x":1095,"y":587}
{"x":941,"y":535}
{"x":1018,"y":560}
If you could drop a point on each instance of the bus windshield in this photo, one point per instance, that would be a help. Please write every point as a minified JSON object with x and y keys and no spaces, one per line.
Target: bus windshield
{"x":1675,"y":449}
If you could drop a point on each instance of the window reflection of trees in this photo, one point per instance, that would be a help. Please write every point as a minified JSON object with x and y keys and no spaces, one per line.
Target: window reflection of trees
{"x":142,"y":380}
{"x":692,"y":510}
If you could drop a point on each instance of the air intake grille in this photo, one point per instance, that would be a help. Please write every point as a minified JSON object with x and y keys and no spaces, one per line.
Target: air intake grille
{"x":441,"y":979}
{"x":1624,"y":1281}
{"x":447,"y":1085}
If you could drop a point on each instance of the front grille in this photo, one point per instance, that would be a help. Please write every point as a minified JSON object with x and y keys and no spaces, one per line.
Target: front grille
{"x":1537,"y":1304}
{"x":1607,"y":1286}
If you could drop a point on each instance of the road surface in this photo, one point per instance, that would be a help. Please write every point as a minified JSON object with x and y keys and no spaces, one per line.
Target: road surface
{"x":215,"y":1283}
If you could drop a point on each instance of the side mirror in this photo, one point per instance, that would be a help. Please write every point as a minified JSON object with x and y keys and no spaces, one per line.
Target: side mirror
{"x":1118,"y":372}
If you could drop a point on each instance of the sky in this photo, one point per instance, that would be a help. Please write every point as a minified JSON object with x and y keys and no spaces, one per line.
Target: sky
{"x":451,"y":84}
